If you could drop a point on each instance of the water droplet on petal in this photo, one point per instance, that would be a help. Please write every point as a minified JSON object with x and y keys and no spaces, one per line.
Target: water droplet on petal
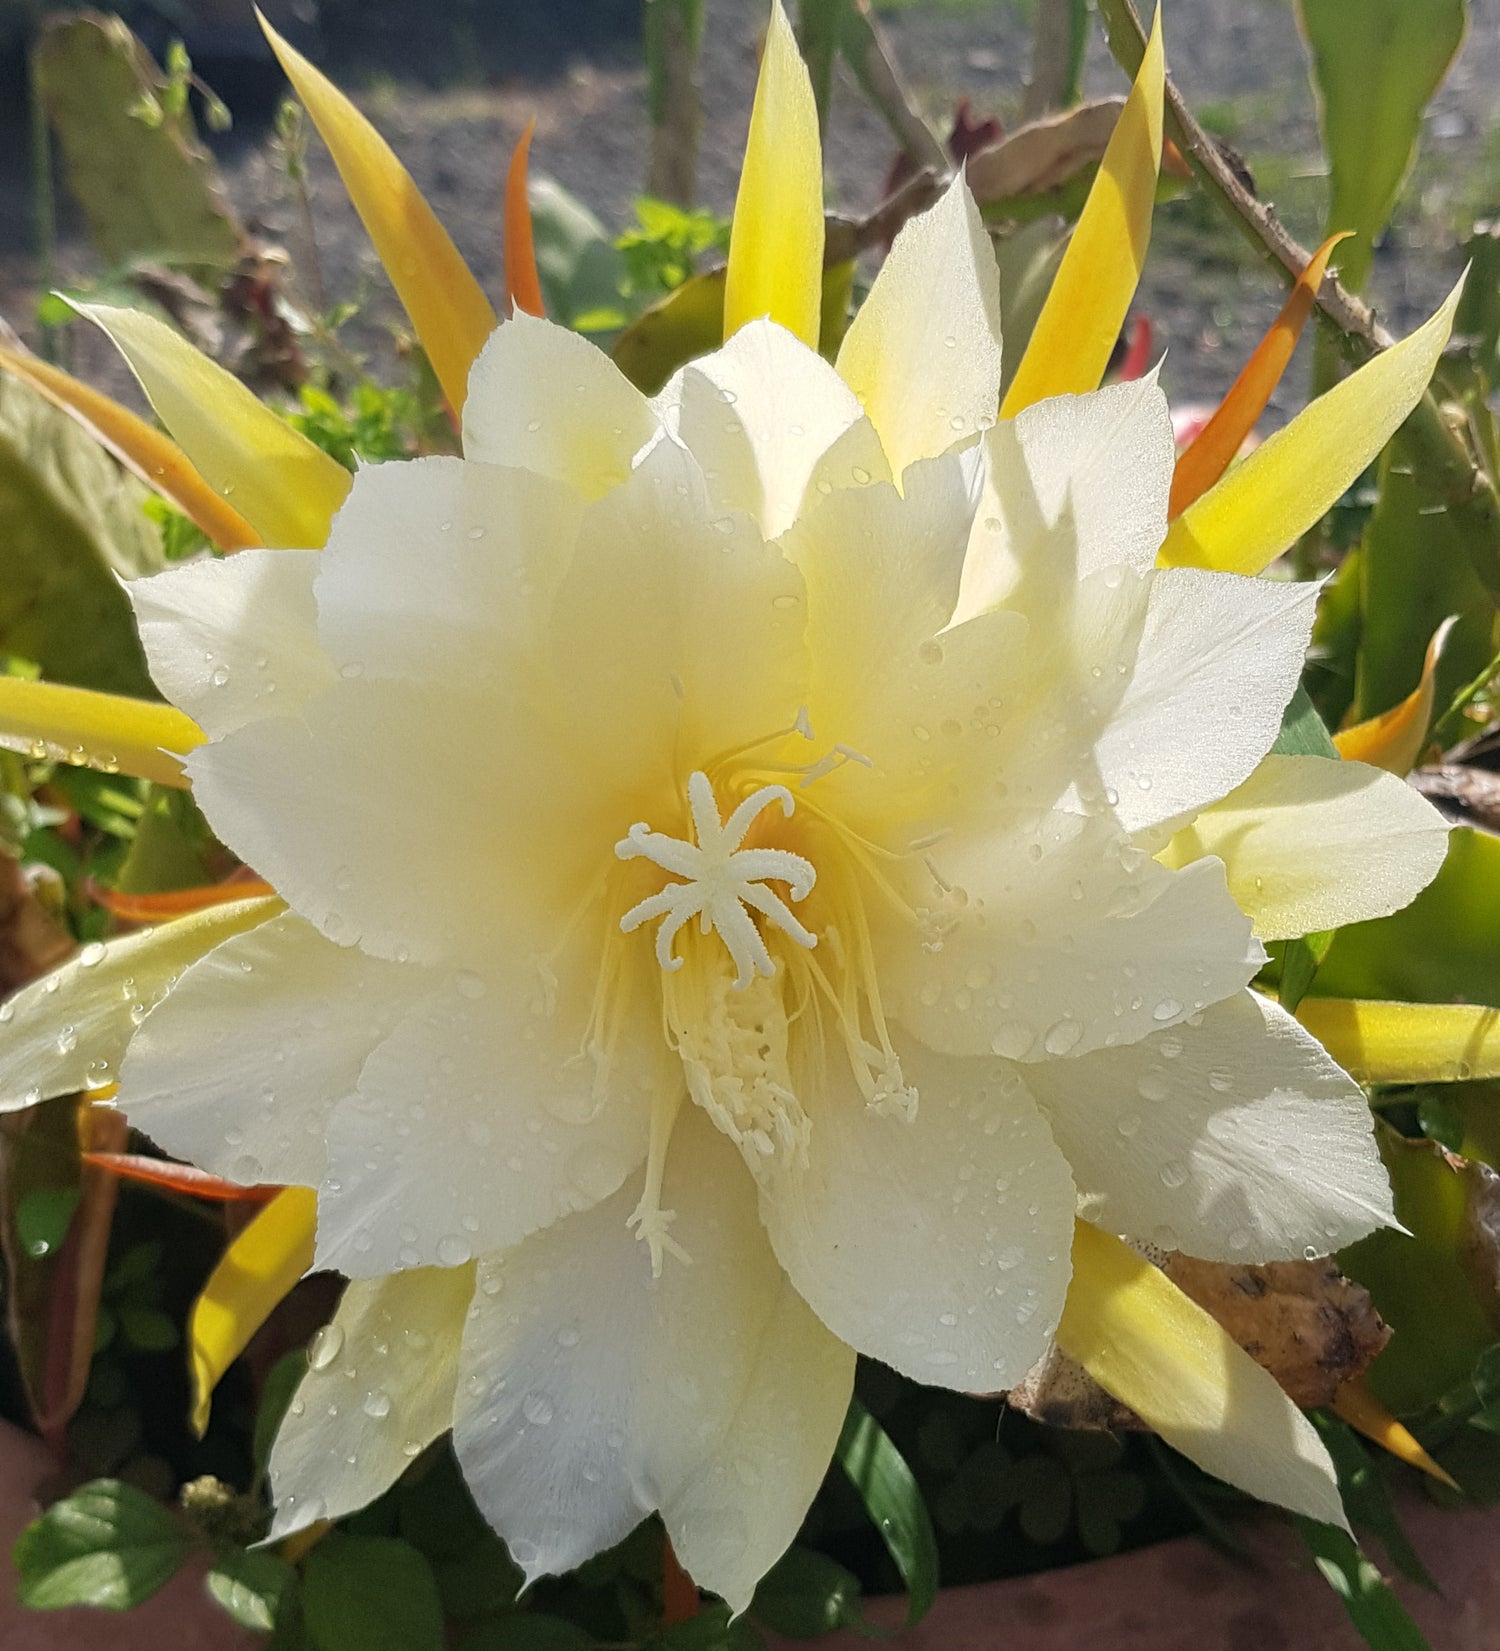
{"x":325,"y":1347}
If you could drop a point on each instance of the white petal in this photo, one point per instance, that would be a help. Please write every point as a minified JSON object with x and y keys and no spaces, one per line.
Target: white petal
{"x":1074,"y":484}
{"x":882,"y":570}
{"x":68,"y":1030}
{"x":239,"y":1070}
{"x":591,"y":1393}
{"x":484,"y":1116}
{"x":443,"y":570}
{"x":1061,"y":937}
{"x":939,"y":1246}
{"x":541,"y":398}
{"x":233,"y":639}
{"x":379,"y":1391}
{"x":758,"y":415}
{"x":1310,"y":844}
{"x":1219,"y":658}
{"x":923,"y":353}
{"x":676,"y":634}
{"x":1236,"y":1139}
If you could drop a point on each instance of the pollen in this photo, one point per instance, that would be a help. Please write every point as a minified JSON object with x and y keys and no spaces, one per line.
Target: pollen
{"x":723,"y":883}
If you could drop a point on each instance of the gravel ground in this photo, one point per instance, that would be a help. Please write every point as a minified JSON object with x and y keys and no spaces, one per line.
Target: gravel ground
{"x":1239,"y":62}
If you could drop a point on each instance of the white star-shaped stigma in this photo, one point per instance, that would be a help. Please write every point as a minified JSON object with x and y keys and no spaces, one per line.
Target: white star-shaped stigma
{"x":724,"y":882}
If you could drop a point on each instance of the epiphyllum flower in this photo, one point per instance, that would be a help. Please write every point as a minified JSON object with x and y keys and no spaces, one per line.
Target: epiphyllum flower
{"x":727,"y":918}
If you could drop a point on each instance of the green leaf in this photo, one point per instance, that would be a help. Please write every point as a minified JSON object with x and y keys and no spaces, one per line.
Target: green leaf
{"x":1439,"y":949}
{"x":148,"y":1330}
{"x":1302,"y":731}
{"x":370,"y":1593}
{"x":527,"y":1631}
{"x":1430,"y":1287}
{"x":1375,"y":65}
{"x":1300,"y":961}
{"x":891,"y":1496}
{"x":173,"y":846}
{"x":107,"y":1545}
{"x":72,"y":525}
{"x":252,"y":1587}
{"x":149,"y":190}
{"x":805,"y":1593}
{"x":42,"y":1218}
{"x":1367,"y":1496}
{"x":1417,"y":566}
{"x":1381,"y":1619}
{"x":581,"y":270}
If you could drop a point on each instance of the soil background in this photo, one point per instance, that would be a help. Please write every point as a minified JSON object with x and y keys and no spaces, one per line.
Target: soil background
{"x":452,"y":83}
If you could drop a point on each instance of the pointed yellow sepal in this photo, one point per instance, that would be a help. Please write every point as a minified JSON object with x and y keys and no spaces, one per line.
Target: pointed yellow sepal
{"x":776,"y":244}
{"x":257,"y":1270}
{"x":1263,"y":505}
{"x":1364,"y":1412}
{"x":1158,"y":1352}
{"x":1406,"y":1042}
{"x":286,"y":488}
{"x":447,"y":306}
{"x":1080,"y":323}
{"x":108,"y":731}
{"x":157,"y":460}
{"x":1395,"y":738}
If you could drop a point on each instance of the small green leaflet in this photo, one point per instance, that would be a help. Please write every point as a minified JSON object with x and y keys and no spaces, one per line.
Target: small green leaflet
{"x":1380,"y":1618}
{"x":108,"y":1545}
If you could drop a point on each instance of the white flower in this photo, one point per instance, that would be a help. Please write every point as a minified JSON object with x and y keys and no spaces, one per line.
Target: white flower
{"x":629,"y":664}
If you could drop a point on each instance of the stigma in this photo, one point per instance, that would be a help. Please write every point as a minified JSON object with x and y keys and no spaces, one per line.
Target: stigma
{"x":723,"y":883}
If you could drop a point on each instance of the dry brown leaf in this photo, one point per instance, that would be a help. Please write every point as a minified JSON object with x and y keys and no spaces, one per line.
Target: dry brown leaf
{"x":1303,"y":1321}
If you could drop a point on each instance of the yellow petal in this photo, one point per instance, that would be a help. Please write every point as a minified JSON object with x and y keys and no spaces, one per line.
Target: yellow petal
{"x":1406,"y":1042}
{"x":257,"y":1270}
{"x":1264,"y":504}
{"x":1363,"y":1411}
{"x":447,"y":306}
{"x":1080,"y":322}
{"x":140,"y":447}
{"x":130,"y":736}
{"x":286,"y":488}
{"x":1159,"y":1353}
{"x":1395,"y":738}
{"x":776,"y":244}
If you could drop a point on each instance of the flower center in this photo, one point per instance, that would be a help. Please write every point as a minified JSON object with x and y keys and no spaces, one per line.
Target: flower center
{"x":724,"y":882}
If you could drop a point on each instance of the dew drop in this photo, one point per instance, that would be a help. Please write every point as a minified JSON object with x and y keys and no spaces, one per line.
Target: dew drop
{"x":1012,"y":1039}
{"x":325,"y":1347}
{"x":91,"y":954}
{"x":1129,"y":1124}
{"x":1168,"y":1009}
{"x":1173,"y":1174}
{"x":377,"y":1404}
{"x":220,"y":677}
{"x":452,"y":1251}
{"x":537,"y":1408}
{"x":1062,"y":1036}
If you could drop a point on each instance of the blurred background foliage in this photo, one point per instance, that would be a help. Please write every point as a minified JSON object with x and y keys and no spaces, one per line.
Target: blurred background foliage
{"x":161,"y":133}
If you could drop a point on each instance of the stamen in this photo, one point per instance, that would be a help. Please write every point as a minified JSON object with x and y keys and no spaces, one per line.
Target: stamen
{"x":723,"y":882}
{"x":650,"y":1220}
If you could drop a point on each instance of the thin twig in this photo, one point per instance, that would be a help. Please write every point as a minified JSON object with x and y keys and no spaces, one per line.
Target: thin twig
{"x":869,"y":57}
{"x":1449,"y":469}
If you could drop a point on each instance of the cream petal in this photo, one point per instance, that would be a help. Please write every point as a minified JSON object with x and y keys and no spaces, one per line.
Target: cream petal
{"x":378,"y":1391}
{"x":1220,"y":656}
{"x":315,"y":804}
{"x":230,"y":640}
{"x":68,"y":1031}
{"x":543,"y":399}
{"x":923,"y":353}
{"x":676,"y":634}
{"x":1309,"y":843}
{"x":940,"y":1245}
{"x":486,"y":1114}
{"x":592,"y":1393}
{"x":882,"y":570}
{"x":1073,"y":484}
{"x":758,"y":415}
{"x":443,"y":570}
{"x":1057,"y":938}
{"x":1234,"y":1139}
{"x":240,"y":1068}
